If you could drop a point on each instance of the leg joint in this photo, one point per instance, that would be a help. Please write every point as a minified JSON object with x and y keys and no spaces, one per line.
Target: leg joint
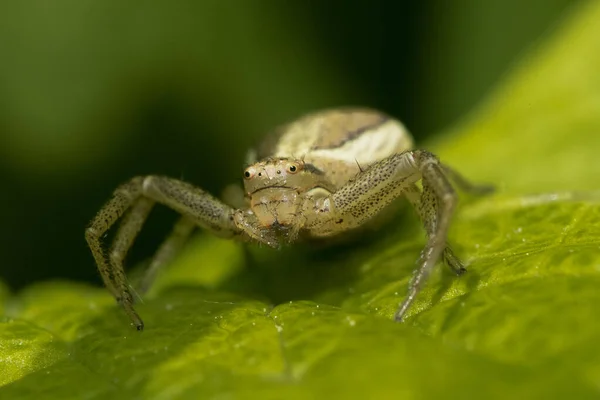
{"x":115,"y":257}
{"x":91,"y":233}
{"x":147,"y":183}
{"x":449,"y":197}
{"x":424,"y":158}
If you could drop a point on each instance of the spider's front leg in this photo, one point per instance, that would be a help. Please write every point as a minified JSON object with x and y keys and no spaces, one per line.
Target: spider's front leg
{"x":134,"y":200}
{"x":373,"y":189}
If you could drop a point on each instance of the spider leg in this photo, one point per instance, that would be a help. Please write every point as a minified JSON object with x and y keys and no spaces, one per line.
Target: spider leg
{"x":465,"y":185}
{"x":137,"y":196}
{"x":452,"y":261}
{"x":437,"y":202}
{"x":129,"y":228}
{"x":377,"y":186}
{"x":422,"y":202}
{"x":167,"y":251}
{"x":113,"y":275}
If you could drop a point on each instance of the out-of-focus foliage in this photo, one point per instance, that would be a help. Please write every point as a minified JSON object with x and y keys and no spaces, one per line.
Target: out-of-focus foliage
{"x":522,"y":323}
{"x":74,"y":71}
{"x":93,"y":93}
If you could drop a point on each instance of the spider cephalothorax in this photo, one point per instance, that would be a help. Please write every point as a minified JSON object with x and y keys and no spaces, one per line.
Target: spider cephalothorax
{"x":277,"y":190}
{"x":323,"y":175}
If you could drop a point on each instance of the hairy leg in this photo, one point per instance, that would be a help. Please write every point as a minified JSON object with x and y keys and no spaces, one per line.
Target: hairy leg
{"x":113,"y":275}
{"x":129,"y":228}
{"x":373,"y":189}
{"x":138,"y":195}
{"x":438,"y":201}
{"x":465,"y":185}
{"x":426,"y":206}
{"x":167,"y":251}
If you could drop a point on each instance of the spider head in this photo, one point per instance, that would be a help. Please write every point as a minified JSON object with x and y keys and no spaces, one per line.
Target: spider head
{"x":275,"y":187}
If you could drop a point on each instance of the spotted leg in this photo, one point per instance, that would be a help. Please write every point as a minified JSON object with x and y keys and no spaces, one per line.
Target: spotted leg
{"x":438,"y":200}
{"x":426,"y":206}
{"x":373,"y":189}
{"x":167,"y":251}
{"x":135,"y":199}
{"x":423,"y":202}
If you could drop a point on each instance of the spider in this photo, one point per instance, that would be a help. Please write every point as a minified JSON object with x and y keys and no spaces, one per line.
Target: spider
{"x":320,"y":176}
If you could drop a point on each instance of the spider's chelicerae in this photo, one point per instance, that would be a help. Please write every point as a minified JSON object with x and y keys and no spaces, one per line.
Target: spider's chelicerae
{"x":319,"y":176}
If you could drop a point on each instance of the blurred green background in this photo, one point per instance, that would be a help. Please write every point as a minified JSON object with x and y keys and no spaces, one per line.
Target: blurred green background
{"x":95,"y":92}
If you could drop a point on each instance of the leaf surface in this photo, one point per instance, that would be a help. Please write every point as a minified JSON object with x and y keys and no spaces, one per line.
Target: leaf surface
{"x":316,"y":323}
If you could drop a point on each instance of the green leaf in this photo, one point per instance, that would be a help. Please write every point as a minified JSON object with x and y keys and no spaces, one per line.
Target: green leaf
{"x":316,"y":323}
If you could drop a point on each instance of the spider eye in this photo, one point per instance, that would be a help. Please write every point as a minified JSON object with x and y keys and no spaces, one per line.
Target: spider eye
{"x":249,"y":173}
